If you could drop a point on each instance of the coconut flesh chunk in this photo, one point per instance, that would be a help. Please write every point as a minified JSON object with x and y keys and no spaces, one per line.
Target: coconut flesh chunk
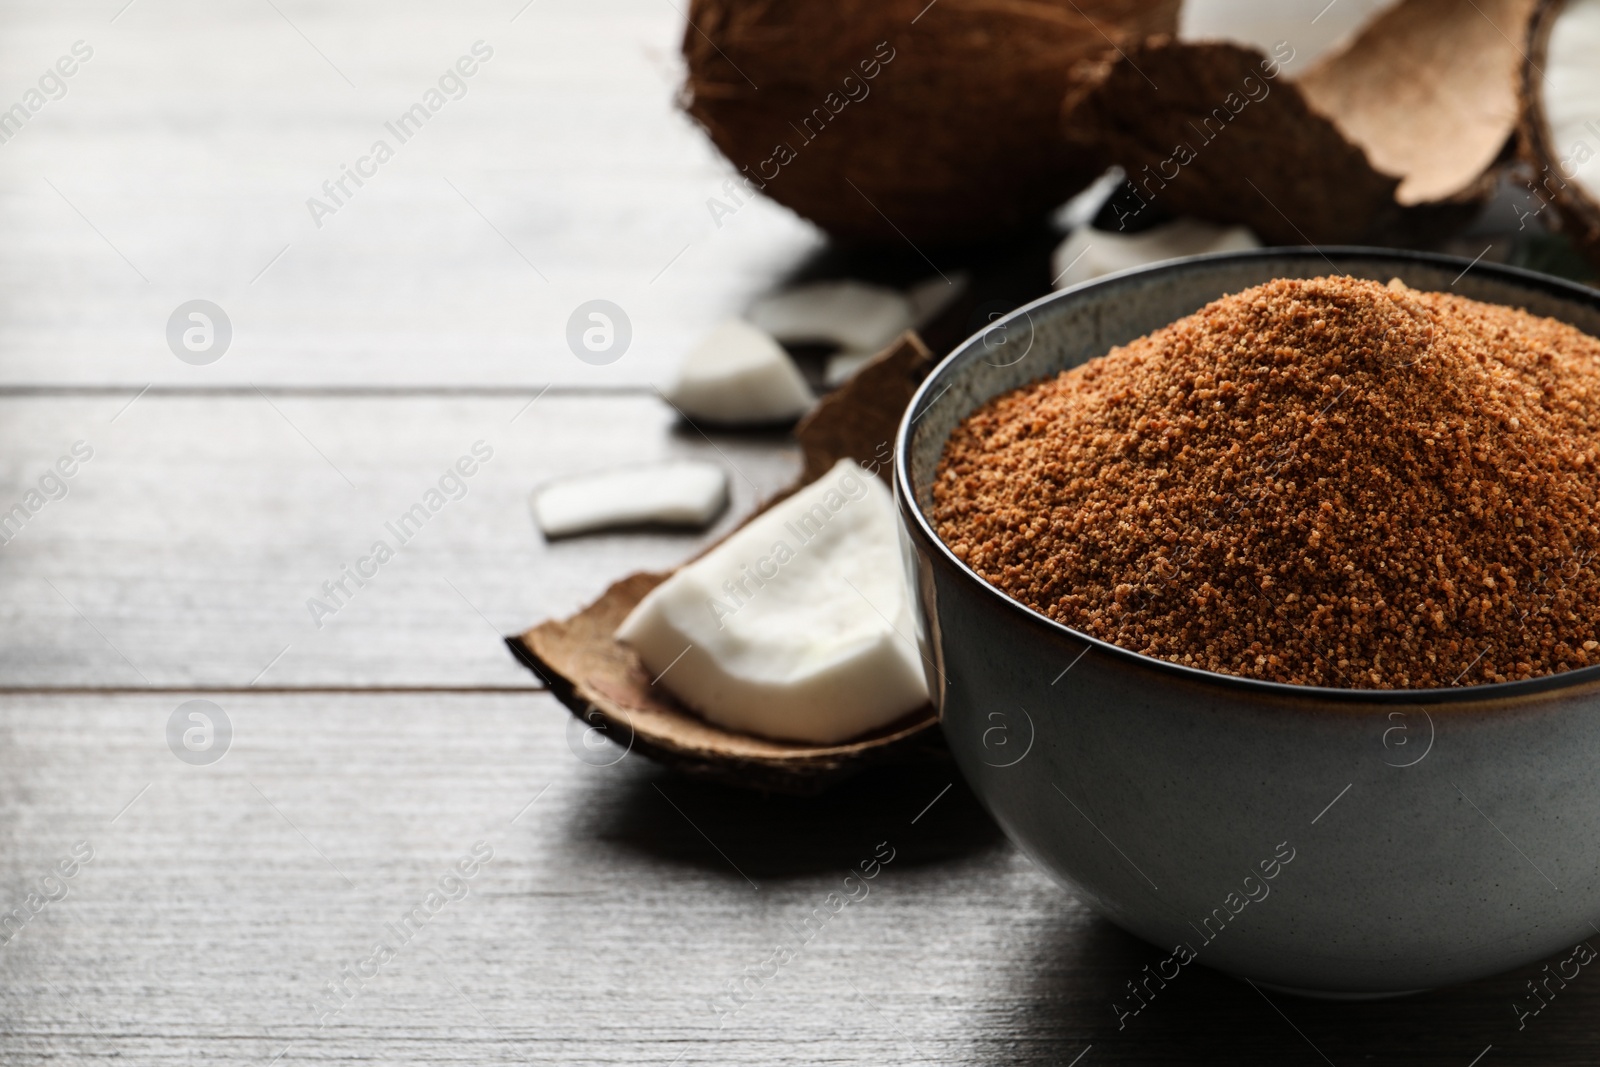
{"x":1088,"y":253}
{"x":686,"y":493}
{"x":850,"y":314}
{"x":1570,"y":98}
{"x":1572,"y":91}
{"x":842,"y":366}
{"x":739,"y":375}
{"x":928,"y":298}
{"x":947,"y":123}
{"x":798,"y":626}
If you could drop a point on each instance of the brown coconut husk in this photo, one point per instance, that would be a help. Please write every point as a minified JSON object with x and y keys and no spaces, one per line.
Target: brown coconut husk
{"x":602,"y":682}
{"x":1576,"y":212}
{"x":1228,"y":143}
{"x":1406,"y":125}
{"x":956,"y":138}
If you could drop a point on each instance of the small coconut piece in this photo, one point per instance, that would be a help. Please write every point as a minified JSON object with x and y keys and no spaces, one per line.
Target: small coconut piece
{"x":686,"y":493}
{"x":1413,"y":114}
{"x":843,"y":365}
{"x":849,"y":314}
{"x":1560,"y":124}
{"x":1088,"y":253}
{"x":739,"y":375}
{"x":888,"y":120}
{"x":603,"y":684}
{"x":1084,"y":205}
{"x":796,"y":627}
{"x":931,"y":296}
{"x":927,"y":300}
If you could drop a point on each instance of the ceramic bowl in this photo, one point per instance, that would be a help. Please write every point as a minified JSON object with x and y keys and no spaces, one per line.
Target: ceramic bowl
{"x":1324,"y":841}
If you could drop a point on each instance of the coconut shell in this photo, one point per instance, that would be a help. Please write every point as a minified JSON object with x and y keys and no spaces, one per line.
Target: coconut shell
{"x":1219,"y":140}
{"x":1429,"y":90}
{"x":1401,"y":130}
{"x":602,"y":682}
{"x":1577,"y":213}
{"x":953,"y":138}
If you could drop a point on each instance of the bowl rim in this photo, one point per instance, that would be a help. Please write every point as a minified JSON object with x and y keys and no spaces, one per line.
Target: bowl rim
{"x":1285,"y":691}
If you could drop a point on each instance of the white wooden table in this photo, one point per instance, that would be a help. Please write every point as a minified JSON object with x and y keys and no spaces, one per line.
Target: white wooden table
{"x":370,"y":755}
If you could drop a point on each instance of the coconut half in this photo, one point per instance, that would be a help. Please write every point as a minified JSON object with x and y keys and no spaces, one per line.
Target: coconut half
{"x":1560,"y":129}
{"x":886,"y":120}
{"x":1411,"y":118}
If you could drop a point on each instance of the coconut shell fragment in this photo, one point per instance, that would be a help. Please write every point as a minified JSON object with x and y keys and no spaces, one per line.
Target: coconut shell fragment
{"x":1429,"y":90}
{"x":602,"y":682}
{"x":1403,"y":128}
{"x":1212,"y":130}
{"x":884,"y":120}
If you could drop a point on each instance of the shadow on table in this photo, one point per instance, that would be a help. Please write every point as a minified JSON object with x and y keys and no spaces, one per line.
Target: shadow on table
{"x":1064,"y":1000}
{"x":685,"y":820}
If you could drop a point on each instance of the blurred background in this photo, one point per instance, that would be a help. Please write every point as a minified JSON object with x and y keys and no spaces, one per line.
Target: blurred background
{"x":360,"y":336}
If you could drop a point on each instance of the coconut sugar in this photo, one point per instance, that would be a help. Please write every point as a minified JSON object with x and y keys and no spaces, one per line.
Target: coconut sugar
{"x":1324,"y":482}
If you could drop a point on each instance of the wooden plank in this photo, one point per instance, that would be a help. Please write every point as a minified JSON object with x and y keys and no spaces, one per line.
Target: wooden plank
{"x":186,"y":550}
{"x":180,"y":162}
{"x":619,"y":903}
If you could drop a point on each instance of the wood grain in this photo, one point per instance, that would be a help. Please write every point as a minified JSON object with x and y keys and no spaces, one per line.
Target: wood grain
{"x":186,"y":550}
{"x":618,"y":905}
{"x":180,"y":162}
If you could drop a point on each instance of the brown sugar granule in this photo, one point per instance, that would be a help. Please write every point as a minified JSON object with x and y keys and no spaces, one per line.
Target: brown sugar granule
{"x":1328,"y":482}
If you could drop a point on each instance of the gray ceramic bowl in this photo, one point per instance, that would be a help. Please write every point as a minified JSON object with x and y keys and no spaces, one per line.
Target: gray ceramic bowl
{"x":1326,"y":841}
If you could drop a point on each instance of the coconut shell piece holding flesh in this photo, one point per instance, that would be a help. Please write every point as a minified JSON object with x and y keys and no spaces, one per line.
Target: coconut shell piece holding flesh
{"x":939,"y":121}
{"x":1405,"y":126}
{"x":1560,"y":126}
{"x":603,"y":684}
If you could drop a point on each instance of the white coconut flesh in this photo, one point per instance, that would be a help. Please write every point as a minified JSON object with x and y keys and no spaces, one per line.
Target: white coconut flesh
{"x":1088,"y":253}
{"x":686,"y":493}
{"x":929,"y":297}
{"x":1571,"y":94}
{"x":842,"y":366}
{"x":739,"y":374}
{"x":798,"y":627}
